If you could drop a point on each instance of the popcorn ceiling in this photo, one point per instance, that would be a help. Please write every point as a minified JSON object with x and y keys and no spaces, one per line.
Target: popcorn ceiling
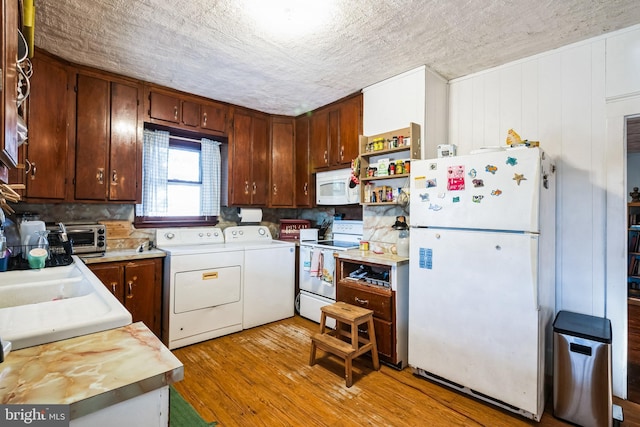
{"x":214,"y":48}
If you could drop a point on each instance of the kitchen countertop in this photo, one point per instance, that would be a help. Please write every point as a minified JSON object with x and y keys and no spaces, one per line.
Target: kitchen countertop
{"x":369,"y":256}
{"x":123,"y":255}
{"x":90,"y":372}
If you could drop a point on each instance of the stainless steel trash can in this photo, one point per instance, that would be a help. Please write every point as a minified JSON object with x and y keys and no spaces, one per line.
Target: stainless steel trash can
{"x":582,"y":391}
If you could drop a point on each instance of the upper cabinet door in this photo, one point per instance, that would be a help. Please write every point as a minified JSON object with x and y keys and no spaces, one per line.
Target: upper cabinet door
{"x":303,"y":184}
{"x":240,"y":165}
{"x":124,"y":159}
{"x":190,"y":114}
{"x":92,"y":133}
{"x":319,"y":142}
{"x":164,"y":107}
{"x":9,"y":110}
{"x":48,"y":119}
{"x":260,"y":163}
{"x":350,"y":130}
{"x":214,"y":117}
{"x":282,"y":162}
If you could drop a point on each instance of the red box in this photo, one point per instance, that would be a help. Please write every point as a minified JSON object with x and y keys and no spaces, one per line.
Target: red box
{"x":290,"y":228}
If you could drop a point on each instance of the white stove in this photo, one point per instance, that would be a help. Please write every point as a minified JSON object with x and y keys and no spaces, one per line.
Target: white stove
{"x":317,"y":268}
{"x":202,"y":294}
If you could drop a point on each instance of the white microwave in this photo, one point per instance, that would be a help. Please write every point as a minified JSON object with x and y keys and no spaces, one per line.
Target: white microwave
{"x":335,"y":188}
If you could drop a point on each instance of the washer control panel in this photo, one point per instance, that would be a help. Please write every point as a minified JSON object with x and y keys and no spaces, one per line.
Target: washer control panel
{"x":247,"y":233}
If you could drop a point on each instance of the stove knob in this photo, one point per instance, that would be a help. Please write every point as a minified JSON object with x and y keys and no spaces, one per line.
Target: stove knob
{"x":241,"y":232}
{"x":208,"y":234}
{"x":261,"y":231}
{"x":169,"y":236}
{"x":234,"y":232}
{"x":201,"y":234}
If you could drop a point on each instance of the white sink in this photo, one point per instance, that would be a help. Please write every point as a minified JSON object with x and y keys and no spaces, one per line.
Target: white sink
{"x":51,"y":304}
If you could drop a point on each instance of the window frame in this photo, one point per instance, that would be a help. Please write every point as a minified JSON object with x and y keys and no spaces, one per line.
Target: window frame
{"x":179,"y":221}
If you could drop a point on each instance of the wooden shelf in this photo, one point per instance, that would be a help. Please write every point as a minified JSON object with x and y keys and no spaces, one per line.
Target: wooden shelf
{"x":407,"y":151}
{"x":376,"y":178}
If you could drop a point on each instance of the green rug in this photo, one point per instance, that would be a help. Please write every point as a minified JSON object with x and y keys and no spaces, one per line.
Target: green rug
{"x":182,"y":414}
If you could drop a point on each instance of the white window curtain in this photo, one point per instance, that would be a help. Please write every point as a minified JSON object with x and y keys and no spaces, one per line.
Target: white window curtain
{"x":155,"y":173}
{"x":210,"y":189}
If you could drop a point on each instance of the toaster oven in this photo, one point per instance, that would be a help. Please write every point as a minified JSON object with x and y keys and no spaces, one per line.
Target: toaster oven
{"x":85,"y":238}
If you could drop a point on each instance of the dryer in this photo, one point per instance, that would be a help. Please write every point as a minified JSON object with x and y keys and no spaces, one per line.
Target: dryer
{"x":202,"y":293}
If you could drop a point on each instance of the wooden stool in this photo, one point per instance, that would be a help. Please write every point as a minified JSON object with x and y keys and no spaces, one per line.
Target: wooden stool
{"x":330,"y":341}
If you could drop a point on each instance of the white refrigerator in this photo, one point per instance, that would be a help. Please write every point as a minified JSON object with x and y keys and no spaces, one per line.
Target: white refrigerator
{"x":482,"y":274}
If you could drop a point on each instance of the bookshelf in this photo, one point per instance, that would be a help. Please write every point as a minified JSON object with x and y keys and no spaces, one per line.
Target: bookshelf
{"x":633,"y":273}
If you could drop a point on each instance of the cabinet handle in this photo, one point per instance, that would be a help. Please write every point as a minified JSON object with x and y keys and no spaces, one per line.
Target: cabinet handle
{"x":113,"y":287}
{"x":204,"y":121}
{"x":114,"y":177}
{"x":175,"y":112}
{"x":306,"y":188}
{"x":362,"y":301}
{"x":275,"y":190}
{"x":100,"y":175}
{"x":342,"y":152}
{"x":28,"y":168}
{"x":254,"y":187}
{"x":130,"y":286}
{"x":34,"y":169}
{"x":326,"y":156}
{"x":246,"y":187}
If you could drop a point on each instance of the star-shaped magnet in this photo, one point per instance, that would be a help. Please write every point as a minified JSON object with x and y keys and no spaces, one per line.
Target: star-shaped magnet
{"x":517,"y":177}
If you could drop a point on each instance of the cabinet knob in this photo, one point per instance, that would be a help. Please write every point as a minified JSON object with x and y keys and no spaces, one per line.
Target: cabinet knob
{"x":362,"y":301}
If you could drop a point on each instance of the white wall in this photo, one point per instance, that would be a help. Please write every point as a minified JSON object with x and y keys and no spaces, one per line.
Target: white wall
{"x":560,"y":99}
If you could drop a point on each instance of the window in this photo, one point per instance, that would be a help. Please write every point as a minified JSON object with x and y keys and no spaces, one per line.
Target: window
{"x":181,"y":181}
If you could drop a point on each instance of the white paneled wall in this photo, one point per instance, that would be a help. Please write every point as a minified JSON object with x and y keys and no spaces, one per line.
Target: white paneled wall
{"x":560,"y":99}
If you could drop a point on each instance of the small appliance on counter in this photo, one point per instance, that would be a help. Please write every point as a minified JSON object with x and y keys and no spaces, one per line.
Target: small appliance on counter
{"x":290,"y":229}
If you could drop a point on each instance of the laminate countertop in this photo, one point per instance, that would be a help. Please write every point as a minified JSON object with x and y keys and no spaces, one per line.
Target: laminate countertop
{"x":90,"y":372}
{"x":370,"y":256}
{"x":123,"y":255}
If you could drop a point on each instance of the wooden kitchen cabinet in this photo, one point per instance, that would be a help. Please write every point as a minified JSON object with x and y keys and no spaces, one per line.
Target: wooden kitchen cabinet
{"x":46,"y":157}
{"x":335,"y":131}
{"x":108,"y":142}
{"x":282,"y":162}
{"x":304,"y":189}
{"x":183,"y":111}
{"x":138,"y":286}
{"x":9,"y":87}
{"x":248,"y":165}
{"x":387,"y":296}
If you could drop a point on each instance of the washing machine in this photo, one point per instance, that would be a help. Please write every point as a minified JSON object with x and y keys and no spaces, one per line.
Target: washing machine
{"x":269,"y":274}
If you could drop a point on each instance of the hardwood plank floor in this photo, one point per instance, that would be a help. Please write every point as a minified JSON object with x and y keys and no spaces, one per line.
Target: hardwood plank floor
{"x":262,"y":377}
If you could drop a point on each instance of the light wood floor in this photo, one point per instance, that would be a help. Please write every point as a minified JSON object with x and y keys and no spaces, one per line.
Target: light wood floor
{"x":262,"y":377}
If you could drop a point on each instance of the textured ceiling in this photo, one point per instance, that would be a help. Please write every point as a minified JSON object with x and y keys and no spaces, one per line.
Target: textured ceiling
{"x":215,"y":48}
